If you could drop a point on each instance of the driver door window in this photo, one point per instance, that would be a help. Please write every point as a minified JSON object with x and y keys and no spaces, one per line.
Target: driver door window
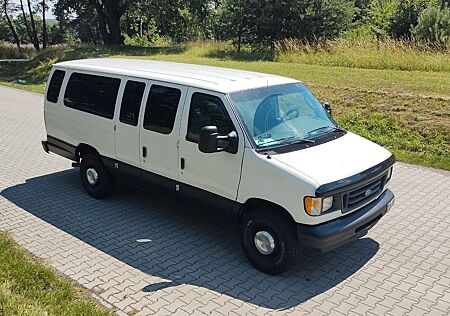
{"x":207,"y":110}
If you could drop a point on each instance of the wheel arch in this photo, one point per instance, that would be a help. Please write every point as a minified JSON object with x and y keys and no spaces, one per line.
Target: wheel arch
{"x":83,"y":148}
{"x":254,"y":203}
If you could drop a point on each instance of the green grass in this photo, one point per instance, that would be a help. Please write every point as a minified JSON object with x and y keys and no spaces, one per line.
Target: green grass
{"x":407,"y":111}
{"x":29,"y":288}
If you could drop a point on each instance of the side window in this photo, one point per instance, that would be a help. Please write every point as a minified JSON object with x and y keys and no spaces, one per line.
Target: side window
{"x":92,"y":94}
{"x":161,"y":109}
{"x":54,"y":86}
{"x":131,"y":102}
{"x":207,"y":110}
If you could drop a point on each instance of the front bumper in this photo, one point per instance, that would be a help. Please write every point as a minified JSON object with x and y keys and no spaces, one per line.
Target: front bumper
{"x":342,"y":230}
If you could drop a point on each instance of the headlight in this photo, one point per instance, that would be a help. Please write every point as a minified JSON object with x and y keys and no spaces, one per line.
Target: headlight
{"x":316,"y":206}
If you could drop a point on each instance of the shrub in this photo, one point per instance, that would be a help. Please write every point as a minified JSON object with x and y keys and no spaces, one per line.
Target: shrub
{"x":434,"y":25}
{"x":406,"y":14}
{"x":381,"y":13}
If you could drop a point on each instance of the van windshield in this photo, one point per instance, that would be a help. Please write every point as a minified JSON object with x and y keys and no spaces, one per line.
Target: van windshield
{"x":278,"y":115}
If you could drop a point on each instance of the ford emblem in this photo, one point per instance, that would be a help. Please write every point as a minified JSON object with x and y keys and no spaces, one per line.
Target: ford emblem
{"x":368,"y":192}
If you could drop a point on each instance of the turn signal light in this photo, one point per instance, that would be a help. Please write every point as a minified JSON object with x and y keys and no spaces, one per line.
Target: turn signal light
{"x":316,"y":206}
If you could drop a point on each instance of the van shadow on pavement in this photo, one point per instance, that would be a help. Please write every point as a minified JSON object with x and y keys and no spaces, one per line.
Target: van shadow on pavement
{"x":180,"y":241}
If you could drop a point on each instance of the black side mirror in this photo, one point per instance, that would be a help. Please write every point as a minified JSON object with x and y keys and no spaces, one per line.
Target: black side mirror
{"x":327,"y":107}
{"x":208,"y":141}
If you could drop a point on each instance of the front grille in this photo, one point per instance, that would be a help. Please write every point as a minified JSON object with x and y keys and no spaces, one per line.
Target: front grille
{"x":363,"y":194}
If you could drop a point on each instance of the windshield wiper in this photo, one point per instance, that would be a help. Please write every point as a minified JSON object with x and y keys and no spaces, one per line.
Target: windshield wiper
{"x":290,"y":140}
{"x":324,"y":127}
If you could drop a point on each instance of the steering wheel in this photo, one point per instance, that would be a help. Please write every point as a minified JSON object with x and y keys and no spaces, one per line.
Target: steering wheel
{"x":290,"y":112}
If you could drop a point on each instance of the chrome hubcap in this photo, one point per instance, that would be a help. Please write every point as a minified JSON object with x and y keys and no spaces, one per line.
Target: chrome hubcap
{"x":92,"y":176}
{"x":264,"y":242}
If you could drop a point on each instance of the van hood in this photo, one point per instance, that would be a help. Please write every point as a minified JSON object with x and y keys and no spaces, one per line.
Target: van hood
{"x":336,"y":159}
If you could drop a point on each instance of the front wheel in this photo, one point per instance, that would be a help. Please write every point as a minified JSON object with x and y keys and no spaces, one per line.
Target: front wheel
{"x":96,"y":180}
{"x":269,"y":240}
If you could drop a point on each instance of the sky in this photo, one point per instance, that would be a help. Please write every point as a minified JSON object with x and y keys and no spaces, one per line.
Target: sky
{"x":49,"y":12}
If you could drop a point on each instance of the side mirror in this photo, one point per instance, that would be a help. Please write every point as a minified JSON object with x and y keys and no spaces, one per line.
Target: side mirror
{"x":327,"y":107}
{"x":209,"y":138}
{"x":207,"y":141}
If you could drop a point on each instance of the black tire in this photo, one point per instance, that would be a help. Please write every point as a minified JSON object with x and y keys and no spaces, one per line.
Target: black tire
{"x":287,"y":246}
{"x":105,"y":183}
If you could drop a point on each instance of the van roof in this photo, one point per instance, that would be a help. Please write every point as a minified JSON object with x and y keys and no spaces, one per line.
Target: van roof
{"x":218,"y":79}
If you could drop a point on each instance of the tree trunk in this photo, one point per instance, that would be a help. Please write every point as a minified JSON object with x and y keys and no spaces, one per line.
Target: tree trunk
{"x":102,"y":23}
{"x":44,"y":26}
{"x":26,"y":24}
{"x":239,"y":40}
{"x":109,"y":13}
{"x":114,"y":28}
{"x":11,"y":25}
{"x":33,"y":26}
{"x":114,"y":9}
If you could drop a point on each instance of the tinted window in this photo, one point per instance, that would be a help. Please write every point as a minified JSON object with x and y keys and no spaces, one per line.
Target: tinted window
{"x":93,"y":94}
{"x":207,"y":110}
{"x":54,"y":86}
{"x":162,"y":105}
{"x":131,"y":102}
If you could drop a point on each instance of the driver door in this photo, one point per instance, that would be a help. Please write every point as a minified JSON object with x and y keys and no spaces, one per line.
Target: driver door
{"x":213,"y":177}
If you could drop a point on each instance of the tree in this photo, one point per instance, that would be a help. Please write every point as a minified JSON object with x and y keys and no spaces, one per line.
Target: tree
{"x":33,"y":27}
{"x":262,"y":24}
{"x":10,"y":23}
{"x":321,"y":19}
{"x":109,"y":13}
{"x":78,"y":20}
{"x":29,"y":32}
{"x":106,"y":20}
{"x":405,"y":15}
{"x":361,"y":11}
{"x":273,"y":21}
{"x":233,"y":23}
{"x":434,"y":25}
{"x":44,"y":26}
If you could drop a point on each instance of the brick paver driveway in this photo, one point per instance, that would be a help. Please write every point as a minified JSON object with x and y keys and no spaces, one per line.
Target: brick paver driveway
{"x":149,"y":254}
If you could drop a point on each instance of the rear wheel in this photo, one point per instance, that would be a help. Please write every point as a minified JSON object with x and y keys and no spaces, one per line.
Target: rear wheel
{"x":269,"y":240}
{"x":96,"y":180}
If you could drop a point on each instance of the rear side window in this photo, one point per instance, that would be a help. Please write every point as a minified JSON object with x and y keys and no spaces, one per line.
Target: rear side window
{"x":162,"y":105}
{"x":207,"y":110}
{"x":131,"y":102}
{"x":92,"y":94}
{"x":54,"y":86}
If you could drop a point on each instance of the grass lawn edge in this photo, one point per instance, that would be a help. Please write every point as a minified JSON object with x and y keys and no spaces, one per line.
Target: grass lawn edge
{"x":29,"y":285}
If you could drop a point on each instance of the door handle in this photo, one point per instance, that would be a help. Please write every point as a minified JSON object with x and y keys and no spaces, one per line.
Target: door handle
{"x":182,"y":163}
{"x":144,"y":151}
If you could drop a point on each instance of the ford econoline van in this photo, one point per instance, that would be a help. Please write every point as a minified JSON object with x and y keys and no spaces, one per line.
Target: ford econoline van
{"x":260,"y":147}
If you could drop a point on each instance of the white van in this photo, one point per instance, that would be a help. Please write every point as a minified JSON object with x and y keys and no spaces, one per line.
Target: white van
{"x":258,"y":146}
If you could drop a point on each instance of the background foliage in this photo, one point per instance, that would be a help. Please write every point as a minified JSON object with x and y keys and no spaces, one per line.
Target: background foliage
{"x":259,"y":24}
